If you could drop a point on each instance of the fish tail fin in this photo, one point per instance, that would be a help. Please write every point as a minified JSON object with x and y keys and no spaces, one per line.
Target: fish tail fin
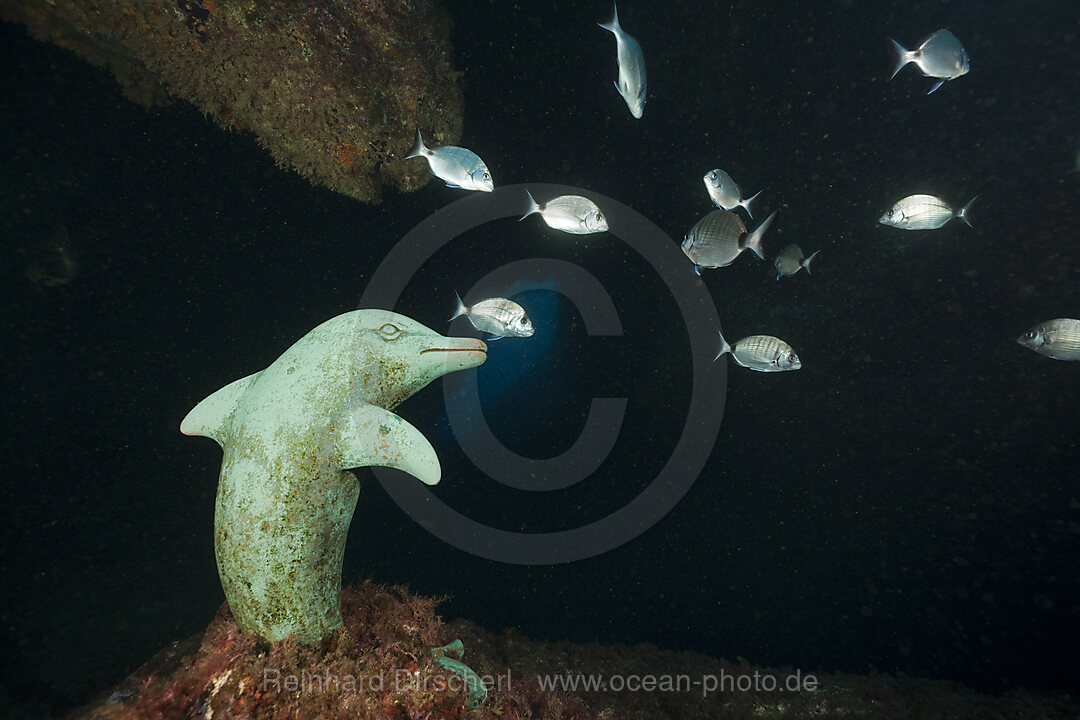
{"x":534,"y":207}
{"x":806,"y":261}
{"x":419,"y":149}
{"x":962,"y":213}
{"x":612,"y":25}
{"x":461,"y":309}
{"x":753,"y":240}
{"x":901,"y":57}
{"x":745,"y":204}
{"x":724,"y":346}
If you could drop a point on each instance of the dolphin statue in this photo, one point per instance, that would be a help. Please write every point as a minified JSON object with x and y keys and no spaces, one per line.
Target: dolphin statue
{"x":289,"y":434}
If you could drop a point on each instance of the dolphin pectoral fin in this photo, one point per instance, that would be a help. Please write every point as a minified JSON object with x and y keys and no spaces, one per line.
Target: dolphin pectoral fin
{"x":209,"y":417}
{"x":370,"y":435}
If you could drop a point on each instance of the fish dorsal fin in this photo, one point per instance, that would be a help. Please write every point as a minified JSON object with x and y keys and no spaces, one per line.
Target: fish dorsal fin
{"x":210,"y":417}
{"x":370,"y":435}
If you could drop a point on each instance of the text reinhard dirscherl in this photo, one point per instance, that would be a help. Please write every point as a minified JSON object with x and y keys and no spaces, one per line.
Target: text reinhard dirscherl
{"x":412,"y":681}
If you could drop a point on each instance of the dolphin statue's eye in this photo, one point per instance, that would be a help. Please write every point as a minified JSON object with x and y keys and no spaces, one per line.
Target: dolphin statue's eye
{"x":390,"y":331}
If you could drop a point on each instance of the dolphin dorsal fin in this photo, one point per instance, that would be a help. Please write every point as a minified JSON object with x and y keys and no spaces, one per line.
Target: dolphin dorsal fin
{"x":370,"y":435}
{"x":211,"y":416}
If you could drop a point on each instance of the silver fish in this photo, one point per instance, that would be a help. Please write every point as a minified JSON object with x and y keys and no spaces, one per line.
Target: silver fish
{"x":631,"y":83}
{"x":1059,"y":339}
{"x":570,"y":213}
{"x":497,"y":316}
{"x":941,"y":56}
{"x":720,"y":237}
{"x":763,"y":353}
{"x":725,"y":193}
{"x":457,"y":167}
{"x":791,"y":260}
{"x":924,"y":212}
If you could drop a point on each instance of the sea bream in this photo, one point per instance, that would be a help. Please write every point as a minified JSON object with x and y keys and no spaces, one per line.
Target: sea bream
{"x":717,"y":239}
{"x":725,"y":193}
{"x":763,"y":353}
{"x":570,"y":213}
{"x":631,"y":83}
{"x":924,"y":212}
{"x":941,"y":56}
{"x":498,"y":317}
{"x":1058,"y":339}
{"x":791,"y":260}
{"x":455,"y":166}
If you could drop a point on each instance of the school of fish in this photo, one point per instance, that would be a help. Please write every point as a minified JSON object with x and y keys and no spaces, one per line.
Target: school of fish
{"x":718,"y":238}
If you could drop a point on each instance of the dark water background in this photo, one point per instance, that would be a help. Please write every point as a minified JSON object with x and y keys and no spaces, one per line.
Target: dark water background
{"x":906,"y":502}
